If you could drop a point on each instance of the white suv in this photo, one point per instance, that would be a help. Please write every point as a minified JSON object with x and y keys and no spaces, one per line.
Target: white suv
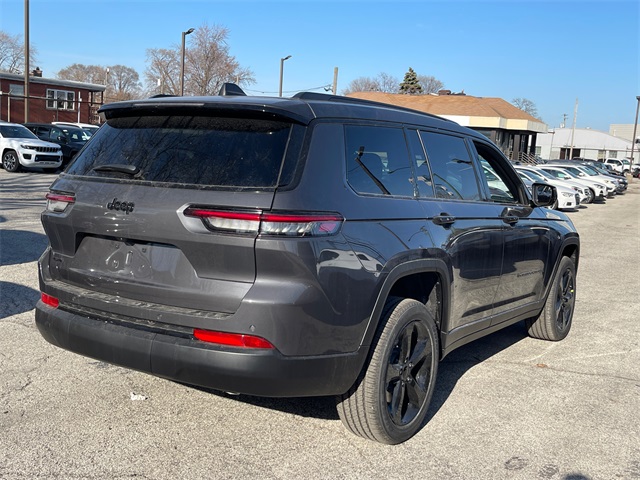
{"x":620,"y":166}
{"x":19,"y":148}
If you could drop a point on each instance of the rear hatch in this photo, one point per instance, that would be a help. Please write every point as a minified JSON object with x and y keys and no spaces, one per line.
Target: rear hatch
{"x":120,"y":219}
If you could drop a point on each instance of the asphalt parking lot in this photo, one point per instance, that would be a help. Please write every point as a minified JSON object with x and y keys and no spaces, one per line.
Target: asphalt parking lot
{"x":505,"y":407}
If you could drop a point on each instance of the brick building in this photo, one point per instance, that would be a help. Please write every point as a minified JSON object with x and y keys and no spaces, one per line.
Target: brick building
{"x":50,"y":100}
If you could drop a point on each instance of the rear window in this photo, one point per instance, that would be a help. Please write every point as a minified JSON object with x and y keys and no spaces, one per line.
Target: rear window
{"x":189,"y":150}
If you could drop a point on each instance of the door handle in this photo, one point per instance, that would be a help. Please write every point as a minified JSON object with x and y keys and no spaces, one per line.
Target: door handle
{"x":444,"y":219}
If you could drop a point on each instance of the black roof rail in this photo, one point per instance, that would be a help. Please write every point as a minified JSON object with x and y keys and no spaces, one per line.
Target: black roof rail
{"x":359,"y":101}
{"x":162,"y":95}
{"x":229,"y":89}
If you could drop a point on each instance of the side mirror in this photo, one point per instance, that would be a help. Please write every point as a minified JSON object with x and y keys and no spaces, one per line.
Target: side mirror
{"x":544,"y":195}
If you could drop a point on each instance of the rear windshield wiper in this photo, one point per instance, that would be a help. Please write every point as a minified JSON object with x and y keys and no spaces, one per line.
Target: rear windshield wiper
{"x":119,"y":168}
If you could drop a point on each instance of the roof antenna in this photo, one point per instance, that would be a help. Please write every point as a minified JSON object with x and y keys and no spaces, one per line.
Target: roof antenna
{"x":229,"y":89}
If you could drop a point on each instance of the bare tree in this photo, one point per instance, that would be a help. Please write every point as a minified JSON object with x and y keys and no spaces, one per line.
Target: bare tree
{"x":526,"y":105}
{"x":123,"y":83}
{"x":383,"y":82}
{"x":12,"y":53}
{"x":163,"y":71}
{"x":208,"y":64}
{"x":77,"y":72}
{"x":430,"y":84}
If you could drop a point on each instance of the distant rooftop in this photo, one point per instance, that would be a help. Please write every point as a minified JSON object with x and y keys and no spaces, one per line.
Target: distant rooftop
{"x":469,"y":111}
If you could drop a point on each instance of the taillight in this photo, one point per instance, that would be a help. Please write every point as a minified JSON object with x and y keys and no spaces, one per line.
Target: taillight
{"x":58,"y":202}
{"x":232,"y":339}
{"x":49,"y":300}
{"x":281,"y":224}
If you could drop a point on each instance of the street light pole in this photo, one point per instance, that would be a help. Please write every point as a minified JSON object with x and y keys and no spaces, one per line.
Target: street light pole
{"x":281,"y":72}
{"x":184,"y":34}
{"x":635,"y":129}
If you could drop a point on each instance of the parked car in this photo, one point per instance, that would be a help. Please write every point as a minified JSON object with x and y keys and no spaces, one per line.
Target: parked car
{"x":88,"y":128}
{"x":583,"y":191}
{"x":20,"y":148}
{"x":619,"y":165}
{"x":604,"y":169}
{"x":70,"y":139}
{"x":594,"y":171}
{"x":298,"y":247}
{"x":598,"y":190}
{"x":567,"y":198}
{"x":580,"y":171}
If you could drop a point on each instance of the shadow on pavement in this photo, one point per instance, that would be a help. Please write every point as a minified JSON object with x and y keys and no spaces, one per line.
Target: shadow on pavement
{"x":21,"y":246}
{"x":16,"y":299}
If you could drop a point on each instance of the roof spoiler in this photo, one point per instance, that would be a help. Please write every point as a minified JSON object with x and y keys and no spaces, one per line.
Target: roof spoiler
{"x":231,"y":89}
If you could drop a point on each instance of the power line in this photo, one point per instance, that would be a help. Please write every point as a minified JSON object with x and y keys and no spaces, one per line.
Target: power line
{"x":323,"y":87}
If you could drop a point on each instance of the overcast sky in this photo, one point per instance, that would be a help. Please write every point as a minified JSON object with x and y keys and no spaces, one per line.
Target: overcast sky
{"x":550,"y":52}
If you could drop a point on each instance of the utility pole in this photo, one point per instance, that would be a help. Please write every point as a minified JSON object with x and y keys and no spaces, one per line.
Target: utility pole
{"x":26,"y":60}
{"x":573,"y":129}
{"x":335,"y":81}
{"x":635,"y":129}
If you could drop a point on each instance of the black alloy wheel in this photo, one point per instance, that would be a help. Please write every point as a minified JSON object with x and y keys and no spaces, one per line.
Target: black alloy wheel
{"x":389,"y":401}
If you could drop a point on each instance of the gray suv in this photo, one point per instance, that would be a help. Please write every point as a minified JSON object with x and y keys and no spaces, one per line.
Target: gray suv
{"x":315,"y":245}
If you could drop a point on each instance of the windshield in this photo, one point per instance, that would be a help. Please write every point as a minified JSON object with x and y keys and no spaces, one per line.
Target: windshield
{"x":575,"y":171}
{"x":16,"y":131}
{"x":75,"y":134}
{"x":561,"y":174}
{"x":590,"y":170}
{"x":535,"y":176}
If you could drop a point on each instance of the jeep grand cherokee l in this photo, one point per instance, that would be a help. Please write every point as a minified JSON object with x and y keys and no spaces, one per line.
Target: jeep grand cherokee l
{"x":20,"y":148}
{"x":315,"y":245}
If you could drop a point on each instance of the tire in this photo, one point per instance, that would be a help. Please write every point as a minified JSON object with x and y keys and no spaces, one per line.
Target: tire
{"x":591,"y":195}
{"x":554,"y":322}
{"x":389,"y":401}
{"x":10,"y":161}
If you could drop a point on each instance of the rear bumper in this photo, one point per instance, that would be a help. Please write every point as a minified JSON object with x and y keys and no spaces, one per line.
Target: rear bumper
{"x":255,"y":372}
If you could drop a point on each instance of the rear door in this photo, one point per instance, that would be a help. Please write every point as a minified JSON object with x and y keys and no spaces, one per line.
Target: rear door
{"x":131,"y":230}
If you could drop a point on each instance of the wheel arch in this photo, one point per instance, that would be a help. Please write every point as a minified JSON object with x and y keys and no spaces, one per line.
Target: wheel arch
{"x":427,"y":281}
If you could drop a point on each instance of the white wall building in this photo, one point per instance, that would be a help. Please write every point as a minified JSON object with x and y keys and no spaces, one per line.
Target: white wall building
{"x":587,"y":143}
{"x":624,"y":130}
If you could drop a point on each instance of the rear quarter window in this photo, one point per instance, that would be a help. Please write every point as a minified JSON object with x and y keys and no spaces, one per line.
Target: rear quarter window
{"x":199,"y":150}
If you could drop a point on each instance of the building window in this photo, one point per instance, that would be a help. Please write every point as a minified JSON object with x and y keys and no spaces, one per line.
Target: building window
{"x":613,"y":154}
{"x":16,"y":90}
{"x":60,"y":100}
{"x":538,"y":150}
{"x":602,"y":154}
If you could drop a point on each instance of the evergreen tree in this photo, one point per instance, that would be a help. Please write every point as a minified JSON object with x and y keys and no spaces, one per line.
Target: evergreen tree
{"x":410,"y":85}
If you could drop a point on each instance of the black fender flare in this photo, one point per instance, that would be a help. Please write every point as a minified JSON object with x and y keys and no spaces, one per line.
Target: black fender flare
{"x":412,"y":267}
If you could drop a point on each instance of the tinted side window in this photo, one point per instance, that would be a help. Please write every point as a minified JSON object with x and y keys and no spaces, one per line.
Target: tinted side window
{"x":197,"y":150}
{"x":454,"y":176}
{"x":501,"y":186}
{"x":378,"y":160}
{"x":55,"y":133}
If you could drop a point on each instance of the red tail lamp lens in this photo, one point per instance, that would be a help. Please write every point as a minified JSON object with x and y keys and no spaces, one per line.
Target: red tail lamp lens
{"x":58,"y":203}
{"x":232,"y":339}
{"x":49,"y":300}
{"x":279,"y":224}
